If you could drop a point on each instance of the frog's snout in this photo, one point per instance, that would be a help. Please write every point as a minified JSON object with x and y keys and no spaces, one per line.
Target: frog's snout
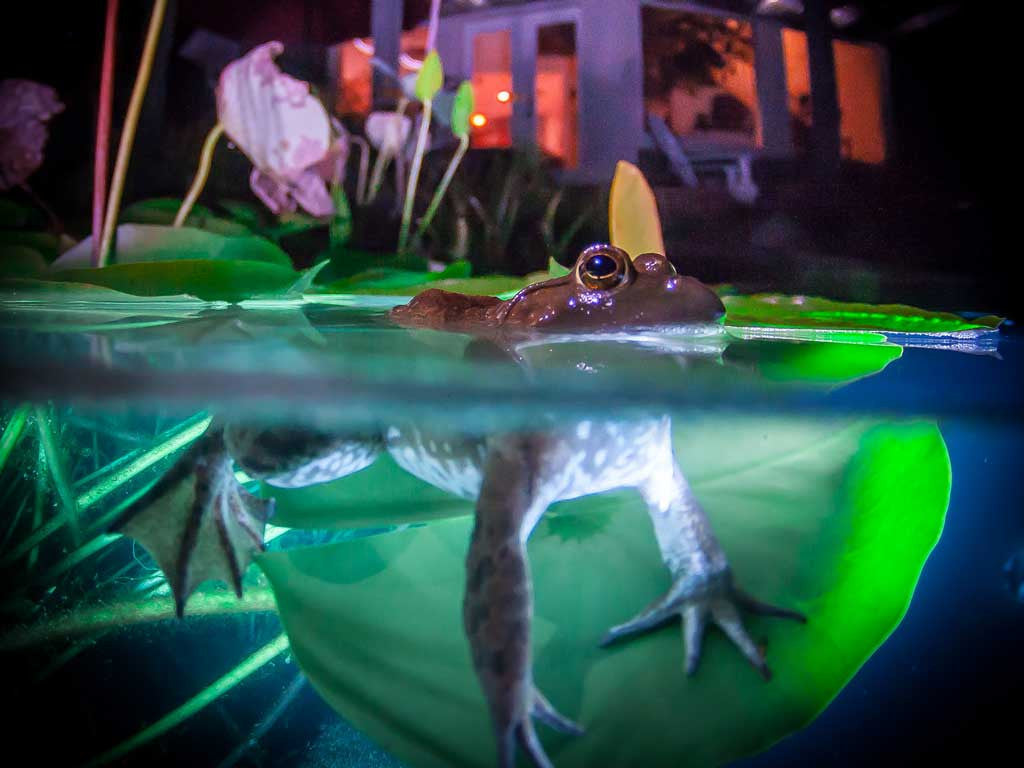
{"x":697,"y":300}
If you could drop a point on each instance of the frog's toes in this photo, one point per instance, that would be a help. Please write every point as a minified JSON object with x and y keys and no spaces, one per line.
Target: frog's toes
{"x":697,"y":600}
{"x":521,"y":733}
{"x":544,"y":712}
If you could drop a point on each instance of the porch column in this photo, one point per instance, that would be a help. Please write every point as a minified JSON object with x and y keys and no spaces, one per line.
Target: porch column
{"x":611,"y":87}
{"x":824,"y":101}
{"x":386,"y":26}
{"x":524,"y":72}
{"x":772,"y":96}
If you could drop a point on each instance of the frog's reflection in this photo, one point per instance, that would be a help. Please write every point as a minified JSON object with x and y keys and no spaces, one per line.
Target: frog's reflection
{"x":514,"y":475}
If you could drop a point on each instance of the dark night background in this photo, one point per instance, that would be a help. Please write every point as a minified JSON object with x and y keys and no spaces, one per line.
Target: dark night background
{"x":927,"y":218}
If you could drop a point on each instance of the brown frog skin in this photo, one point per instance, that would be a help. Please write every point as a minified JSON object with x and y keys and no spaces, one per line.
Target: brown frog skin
{"x":605,"y":290}
{"x":199,"y":523}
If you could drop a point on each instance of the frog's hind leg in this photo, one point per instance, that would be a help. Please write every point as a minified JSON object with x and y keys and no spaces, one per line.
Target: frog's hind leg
{"x":702,"y":587}
{"x":197,"y":522}
{"x":498,"y":605}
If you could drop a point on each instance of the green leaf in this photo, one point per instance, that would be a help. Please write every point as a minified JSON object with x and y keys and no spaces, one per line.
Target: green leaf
{"x":430,"y":78}
{"x":163,"y":210}
{"x":462,"y":108}
{"x":17,"y":216}
{"x":812,"y":363}
{"x":831,"y":517}
{"x":206,"y":279}
{"x":20,"y":261}
{"x":778,"y":311}
{"x":340,"y":230}
{"x":149,"y":242}
{"x":47,"y":245}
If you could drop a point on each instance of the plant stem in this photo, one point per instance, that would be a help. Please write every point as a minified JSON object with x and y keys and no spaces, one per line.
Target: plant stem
{"x":101,"y":160}
{"x":435,"y":202}
{"x":131,"y":122}
{"x":434,"y":18}
{"x":202,"y":174}
{"x":414,"y":177}
{"x":98,"y":618}
{"x":209,"y":694}
{"x":384,"y":155}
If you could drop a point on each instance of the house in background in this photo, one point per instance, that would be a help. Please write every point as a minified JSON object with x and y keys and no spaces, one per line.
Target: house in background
{"x":591,"y":82}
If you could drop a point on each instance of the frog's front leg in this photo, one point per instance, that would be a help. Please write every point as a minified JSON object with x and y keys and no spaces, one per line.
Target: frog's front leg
{"x":498,"y":605}
{"x":702,"y":585}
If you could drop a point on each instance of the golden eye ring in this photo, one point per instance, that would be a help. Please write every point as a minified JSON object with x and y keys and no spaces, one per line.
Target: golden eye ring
{"x":602,"y":267}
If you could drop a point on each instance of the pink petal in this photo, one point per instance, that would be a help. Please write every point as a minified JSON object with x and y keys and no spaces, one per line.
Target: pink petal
{"x":310,"y":192}
{"x":271,"y":116}
{"x":271,"y":192}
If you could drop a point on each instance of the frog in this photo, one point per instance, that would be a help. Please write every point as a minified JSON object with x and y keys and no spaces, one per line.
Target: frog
{"x":199,"y":523}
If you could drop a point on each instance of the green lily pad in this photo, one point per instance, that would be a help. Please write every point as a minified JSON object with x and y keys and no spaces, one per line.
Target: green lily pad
{"x":21,"y":261}
{"x":206,"y":279}
{"x":809,"y":362}
{"x":46,"y":244}
{"x":163,"y":210}
{"x":831,"y":517}
{"x":152,"y":243}
{"x":778,"y":311}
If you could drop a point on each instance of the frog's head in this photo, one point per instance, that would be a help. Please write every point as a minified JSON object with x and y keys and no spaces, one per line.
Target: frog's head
{"x":606,"y":290}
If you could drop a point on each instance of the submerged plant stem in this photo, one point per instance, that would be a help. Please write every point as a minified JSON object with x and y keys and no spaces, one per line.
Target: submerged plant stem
{"x":131,"y":122}
{"x":202,"y":174}
{"x":414,"y":177}
{"x":101,"y":160}
{"x":435,"y":202}
{"x":209,"y":694}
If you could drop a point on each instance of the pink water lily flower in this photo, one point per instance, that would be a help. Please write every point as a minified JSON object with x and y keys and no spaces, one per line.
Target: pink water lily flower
{"x":281,"y":128}
{"x":25,"y":108}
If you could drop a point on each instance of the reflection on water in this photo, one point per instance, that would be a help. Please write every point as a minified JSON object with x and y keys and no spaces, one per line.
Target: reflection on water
{"x":708,"y":478}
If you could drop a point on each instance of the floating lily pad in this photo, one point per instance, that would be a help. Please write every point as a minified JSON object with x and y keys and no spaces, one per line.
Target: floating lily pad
{"x":163,"y":210}
{"x":778,"y":311}
{"x":831,"y":517}
{"x":206,"y":279}
{"x":150,"y":242}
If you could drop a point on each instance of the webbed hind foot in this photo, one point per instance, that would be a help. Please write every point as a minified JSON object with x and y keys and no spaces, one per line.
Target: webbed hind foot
{"x":695,"y":599}
{"x":521,"y":732}
{"x":197,"y":522}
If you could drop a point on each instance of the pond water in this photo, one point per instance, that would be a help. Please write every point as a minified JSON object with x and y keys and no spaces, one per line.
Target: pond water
{"x":871,"y":485}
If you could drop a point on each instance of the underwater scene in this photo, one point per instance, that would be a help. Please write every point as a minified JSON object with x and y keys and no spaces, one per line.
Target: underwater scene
{"x":746,"y":546}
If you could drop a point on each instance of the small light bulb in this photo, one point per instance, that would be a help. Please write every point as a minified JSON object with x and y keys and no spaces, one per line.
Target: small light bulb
{"x":504,"y":97}
{"x":478,"y":120}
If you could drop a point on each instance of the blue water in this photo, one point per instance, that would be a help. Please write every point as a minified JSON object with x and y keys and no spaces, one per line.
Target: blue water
{"x":947,"y":677}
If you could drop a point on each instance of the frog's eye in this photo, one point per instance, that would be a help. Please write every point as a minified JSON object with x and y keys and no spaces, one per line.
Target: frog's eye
{"x":600,"y":267}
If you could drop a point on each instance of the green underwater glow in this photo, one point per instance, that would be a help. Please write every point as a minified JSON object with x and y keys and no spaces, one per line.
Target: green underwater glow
{"x":834,"y":517}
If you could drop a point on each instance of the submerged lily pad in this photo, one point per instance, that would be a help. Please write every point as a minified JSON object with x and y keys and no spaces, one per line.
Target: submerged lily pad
{"x":831,"y":517}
